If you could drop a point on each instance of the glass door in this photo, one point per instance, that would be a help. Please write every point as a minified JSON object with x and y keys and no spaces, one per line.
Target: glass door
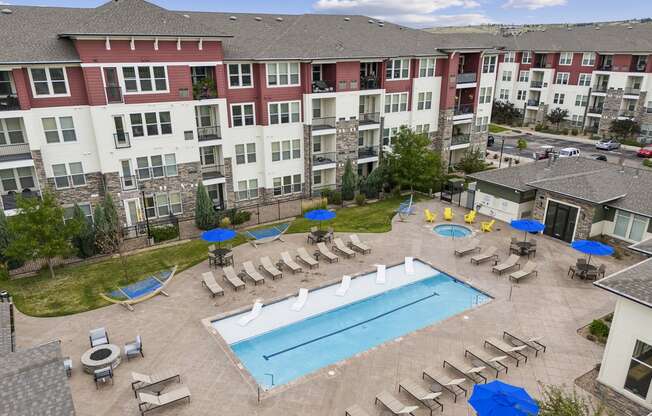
{"x":128,"y":180}
{"x":132,"y":210}
{"x":560,"y":221}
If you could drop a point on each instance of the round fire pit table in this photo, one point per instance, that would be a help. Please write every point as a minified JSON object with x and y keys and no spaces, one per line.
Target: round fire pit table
{"x":101,"y":356}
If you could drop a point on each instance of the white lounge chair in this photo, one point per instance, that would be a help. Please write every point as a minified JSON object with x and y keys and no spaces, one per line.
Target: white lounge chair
{"x":381,"y":274}
{"x":409,"y":266}
{"x":339,"y":245}
{"x":512,"y":261}
{"x":306,"y":258}
{"x":150,"y":401}
{"x":267,"y":265}
{"x":251,"y":272}
{"x":301,"y":300}
{"x":344,"y":286}
{"x":394,"y":405}
{"x":491,"y":361}
{"x":289,"y":263}
{"x":256,"y":309}
{"x":143,"y":381}
{"x":513,"y":351}
{"x":417,"y":391}
{"x":473,"y":373}
{"x":529,"y":268}
{"x":322,"y":250}
{"x":208,"y":281}
{"x":358,"y":245}
{"x":488,"y":254}
{"x":231,"y":277}
{"x":454,"y":386}
{"x":472,"y":246}
{"x":355,"y":410}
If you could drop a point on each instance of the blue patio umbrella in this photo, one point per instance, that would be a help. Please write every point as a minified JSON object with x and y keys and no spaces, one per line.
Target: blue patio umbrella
{"x":218,"y":235}
{"x":529,"y":226}
{"x":319,"y":215}
{"x":501,"y":399}
{"x":592,"y":248}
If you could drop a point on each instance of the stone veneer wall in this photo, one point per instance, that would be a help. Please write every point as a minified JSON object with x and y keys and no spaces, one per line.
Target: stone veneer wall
{"x":585,"y":218}
{"x":307,"y":158}
{"x":542,"y":112}
{"x":442,"y":137}
{"x":642,"y":115}
{"x":92,"y":192}
{"x":346,"y":146}
{"x":610,"y":110}
{"x":229,"y":188}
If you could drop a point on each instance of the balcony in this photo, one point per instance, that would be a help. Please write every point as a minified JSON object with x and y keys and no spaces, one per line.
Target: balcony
{"x":121,"y":140}
{"x":532,"y":103}
{"x":9,"y":103}
{"x":212,"y":171}
{"x":600,"y":88}
{"x":595,"y":110}
{"x":318,"y":190}
{"x":627,"y":113}
{"x":322,"y":86}
{"x":536,"y":84}
{"x":367,"y":151}
{"x":369,"y":118}
{"x":114,"y":95}
{"x":10,"y":199}
{"x":606,"y":66}
{"x":632,"y":91}
{"x":323,"y":123}
{"x":18,"y":151}
{"x":324,"y":158}
{"x":204,"y":89}
{"x":459,"y":139}
{"x":370,"y":82}
{"x":209,"y":133}
{"x":466,"y":78}
{"x":463,"y":110}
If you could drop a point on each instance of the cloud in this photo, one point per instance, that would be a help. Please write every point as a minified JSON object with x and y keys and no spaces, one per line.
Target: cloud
{"x":533,"y":4}
{"x":390,"y":7}
{"x":430,"y":20}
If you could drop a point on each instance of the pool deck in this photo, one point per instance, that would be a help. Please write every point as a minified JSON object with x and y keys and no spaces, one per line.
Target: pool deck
{"x":175,"y":336}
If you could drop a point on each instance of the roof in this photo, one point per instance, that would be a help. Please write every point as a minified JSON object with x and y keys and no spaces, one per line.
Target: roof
{"x":6,"y":335}
{"x":34,"y":382}
{"x":644,"y":246}
{"x":598,"y":187}
{"x":633,"y":283}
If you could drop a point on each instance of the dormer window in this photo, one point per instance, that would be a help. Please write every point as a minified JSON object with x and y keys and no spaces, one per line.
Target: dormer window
{"x":143,"y":79}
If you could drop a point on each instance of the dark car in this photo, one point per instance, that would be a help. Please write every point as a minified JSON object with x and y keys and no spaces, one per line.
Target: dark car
{"x":490,"y":140}
{"x":598,"y":156}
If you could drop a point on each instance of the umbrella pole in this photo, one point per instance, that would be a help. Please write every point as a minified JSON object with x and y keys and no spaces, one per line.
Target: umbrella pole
{"x":525,"y":237}
{"x":589,"y":260}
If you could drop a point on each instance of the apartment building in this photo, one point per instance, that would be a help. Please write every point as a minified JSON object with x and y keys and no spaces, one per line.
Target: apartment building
{"x":145,"y":103}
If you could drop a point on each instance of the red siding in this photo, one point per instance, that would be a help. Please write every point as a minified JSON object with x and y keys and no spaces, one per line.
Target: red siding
{"x":178,"y":78}
{"x":449,"y":82}
{"x":95,"y":51}
{"x":648,"y":68}
{"x":22,"y":86}
{"x":575,"y":68}
{"x":76,"y":85}
{"x":94,"y":85}
{"x":276,"y":94}
{"x":621,"y":63}
{"x":329,"y":74}
{"x":239,"y":95}
{"x":347,"y":71}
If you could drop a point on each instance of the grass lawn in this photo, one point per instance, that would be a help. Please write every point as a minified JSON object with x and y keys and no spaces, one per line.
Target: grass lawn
{"x":494,"y":128}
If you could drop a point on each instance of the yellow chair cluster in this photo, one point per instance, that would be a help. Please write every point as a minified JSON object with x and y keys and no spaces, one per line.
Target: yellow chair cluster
{"x":469,"y":218}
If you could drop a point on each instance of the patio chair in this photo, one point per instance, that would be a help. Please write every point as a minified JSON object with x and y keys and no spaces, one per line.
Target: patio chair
{"x":416,"y":390}
{"x":322,"y":250}
{"x":488,"y":254}
{"x":355,"y":410}
{"x":231,"y":277}
{"x":251,"y":272}
{"x":512,"y":261}
{"x":208,"y":281}
{"x":149,"y":402}
{"x":511,"y":351}
{"x":342,"y":248}
{"x":98,"y":336}
{"x":267,"y":265}
{"x":394,"y":405}
{"x":533,"y":343}
{"x":358,"y":245}
{"x":103,"y":375}
{"x":306,"y":258}
{"x":287,"y":261}
{"x":602,"y":270}
{"x":470,"y":247}
{"x":212,"y":259}
{"x":487,"y":226}
{"x":470,"y":217}
{"x":312,"y":238}
{"x":532,"y":249}
{"x":144,"y":381}
{"x":473,"y":373}
{"x":493,"y":362}
{"x":452,"y":385}
{"x":429,"y":216}
{"x":302,"y":298}
{"x":228,"y":259}
{"x":330,"y":234}
{"x":530,"y":268}
{"x":134,"y":348}
{"x":67,"y":365}
{"x":448,"y":214}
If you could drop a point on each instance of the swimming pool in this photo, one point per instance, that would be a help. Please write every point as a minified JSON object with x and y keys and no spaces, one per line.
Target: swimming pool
{"x":452,"y":230}
{"x":304,"y":346}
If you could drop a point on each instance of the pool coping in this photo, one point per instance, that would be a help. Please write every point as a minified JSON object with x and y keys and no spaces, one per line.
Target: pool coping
{"x":263,"y":393}
{"x":474,"y":232}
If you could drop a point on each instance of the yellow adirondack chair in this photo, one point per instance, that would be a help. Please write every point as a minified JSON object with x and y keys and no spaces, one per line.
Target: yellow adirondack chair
{"x":487,"y":226}
{"x":448,"y":214}
{"x":470,"y":217}
{"x":429,"y":216}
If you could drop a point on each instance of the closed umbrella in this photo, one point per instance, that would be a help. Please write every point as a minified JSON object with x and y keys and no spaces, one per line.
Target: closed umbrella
{"x":501,"y":399}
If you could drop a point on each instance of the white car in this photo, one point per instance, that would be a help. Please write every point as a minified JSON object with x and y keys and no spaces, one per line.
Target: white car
{"x":569,"y":152}
{"x":607,"y":144}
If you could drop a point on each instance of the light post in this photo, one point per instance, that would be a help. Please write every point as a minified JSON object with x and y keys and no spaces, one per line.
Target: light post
{"x":502,"y":146}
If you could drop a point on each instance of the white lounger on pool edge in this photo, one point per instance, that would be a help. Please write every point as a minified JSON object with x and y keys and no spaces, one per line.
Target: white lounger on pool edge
{"x":255,"y":312}
{"x":380,"y":274}
{"x":409,"y":265}
{"x":344,"y":286}
{"x":301,"y":300}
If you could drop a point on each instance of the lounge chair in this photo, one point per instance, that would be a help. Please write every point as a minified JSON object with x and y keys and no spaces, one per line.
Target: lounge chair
{"x":511,"y":351}
{"x":302,"y":298}
{"x":487,"y":226}
{"x":381,"y":274}
{"x":134,"y":348}
{"x":452,"y":385}
{"x":267,"y":265}
{"x":344,"y":286}
{"x":448,"y":214}
{"x":355,"y":410}
{"x":429,"y":216}
{"x":98,"y":336}
{"x":470,"y":217}
{"x":306,"y":258}
{"x":231,"y":277}
{"x":529,"y":268}
{"x":409,"y":266}
{"x":150,"y":401}
{"x":208,"y":281}
{"x":358,"y":245}
{"x":473,"y":373}
{"x":494,"y":362}
{"x":416,"y":390}
{"x":144,"y":381}
{"x":339,"y":245}
{"x":251,"y":272}
{"x":512,"y":261}
{"x":470,"y":247}
{"x":256,"y":309}
{"x":394,"y":405}
{"x":322,"y":250}
{"x":286,"y":260}
{"x":488,"y":254}
{"x":532,"y":342}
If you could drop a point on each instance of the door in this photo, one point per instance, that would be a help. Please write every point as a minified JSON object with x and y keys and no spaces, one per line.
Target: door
{"x":121,"y":136}
{"x":560,"y":221}
{"x":132,"y":210}
{"x":128,"y":179}
{"x":113,"y":92}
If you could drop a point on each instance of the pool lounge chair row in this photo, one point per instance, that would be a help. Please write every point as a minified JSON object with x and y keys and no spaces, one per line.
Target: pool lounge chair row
{"x":489,"y":253}
{"x":151,"y":390}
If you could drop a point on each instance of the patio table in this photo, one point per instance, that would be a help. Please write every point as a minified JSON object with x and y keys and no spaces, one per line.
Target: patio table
{"x":221,"y":254}
{"x":583,"y":269}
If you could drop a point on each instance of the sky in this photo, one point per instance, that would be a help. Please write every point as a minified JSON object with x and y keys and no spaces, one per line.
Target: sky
{"x":415,"y":13}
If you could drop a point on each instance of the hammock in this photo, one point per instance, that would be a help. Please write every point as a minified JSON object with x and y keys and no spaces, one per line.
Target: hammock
{"x":142,"y":290}
{"x":267,"y":235}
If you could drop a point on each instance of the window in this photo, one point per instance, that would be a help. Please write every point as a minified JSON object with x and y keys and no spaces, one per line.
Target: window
{"x":316,"y":72}
{"x":150,"y":124}
{"x":388,"y":136}
{"x":584,"y":80}
{"x":283,"y":113}
{"x":523,"y":76}
{"x":646,"y":133}
{"x":566,"y":58}
{"x":287,"y":185}
{"x":242,"y":115}
{"x":526,"y":58}
{"x":163,"y":204}
{"x":630,"y":226}
{"x":170,"y":165}
{"x":240,"y":75}
{"x":507,"y":75}
{"x":396,"y":102}
{"x":6,"y":86}
{"x":138,"y":79}
{"x":282,"y":74}
{"x":489,"y":64}
{"x":588,"y":59}
{"x":247,"y":190}
{"x":577,"y":120}
{"x":69,"y":211}
{"x":424,"y":101}
{"x":199,"y":74}
{"x":559,"y":98}
{"x":156,"y":166}
{"x":291,"y":149}
{"x":316,"y":108}
{"x":316,"y":144}
{"x":422,"y":128}
{"x":482,"y":124}
{"x":17,"y":179}
{"x":68,"y":176}
{"x":510,"y":57}
{"x":504,"y":94}
{"x":49,"y":81}
{"x":426,"y":67}
{"x":639,"y":374}
{"x":521,"y":94}
{"x":581,"y":100}
{"x":486,"y":93}
{"x":245,"y":153}
{"x":398,"y":69}
{"x":316,"y":177}
{"x":11,"y":131}
{"x":59,"y":129}
{"x":562,"y":78}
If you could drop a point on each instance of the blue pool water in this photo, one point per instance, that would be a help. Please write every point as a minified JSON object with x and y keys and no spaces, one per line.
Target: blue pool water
{"x":300,"y":348}
{"x":455,"y":231}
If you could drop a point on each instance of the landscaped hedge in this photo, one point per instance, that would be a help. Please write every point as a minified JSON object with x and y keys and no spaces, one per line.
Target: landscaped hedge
{"x":164,"y":233}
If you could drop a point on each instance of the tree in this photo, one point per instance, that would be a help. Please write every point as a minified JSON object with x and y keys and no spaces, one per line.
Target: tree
{"x":107,"y":229}
{"x":556,"y":401}
{"x":373,"y":183}
{"x":521,"y":144}
{"x":472,"y":161}
{"x":504,"y":112}
{"x":556,"y":116}
{"x":204,"y":212}
{"x":348,"y":182}
{"x":39,"y":232}
{"x":624,"y":128}
{"x":4,"y":237}
{"x":413,"y":163}
{"x":84,"y":233}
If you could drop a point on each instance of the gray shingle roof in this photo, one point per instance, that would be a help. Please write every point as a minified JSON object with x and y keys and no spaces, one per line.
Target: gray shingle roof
{"x":644,"y":246}
{"x":599,"y":186}
{"x":634,"y":283}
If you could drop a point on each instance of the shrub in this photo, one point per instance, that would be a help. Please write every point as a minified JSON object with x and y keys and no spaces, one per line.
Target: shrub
{"x":599,"y":329}
{"x":316,"y":203}
{"x":326,"y":193}
{"x":225,"y":222}
{"x":495,"y":156}
{"x":539,"y":127}
{"x":360,"y":199}
{"x":517,"y":161}
{"x":575,"y":132}
{"x":647,"y":163}
{"x":240,"y":217}
{"x":349,"y":182}
{"x":164,"y":233}
{"x":564,"y":131}
{"x":561,"y":401}
{"x":336,"y":198}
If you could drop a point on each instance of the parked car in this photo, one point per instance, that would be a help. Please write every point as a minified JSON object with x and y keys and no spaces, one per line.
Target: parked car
{"x":607,"y":144}
{"x":569,"y":152}
{"x":598,"y":156}
{"x":544,"y":152}
{"x":490,"y":140}
{"x":645,"y":151}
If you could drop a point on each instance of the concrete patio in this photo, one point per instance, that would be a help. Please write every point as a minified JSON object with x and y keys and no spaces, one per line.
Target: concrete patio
{"x":551,"y":305}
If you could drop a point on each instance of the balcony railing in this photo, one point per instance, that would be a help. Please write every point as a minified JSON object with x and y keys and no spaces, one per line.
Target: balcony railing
{"x":460,"y":139}
{"x":209,"y":133}
{"x":605,"y":67}
{"x":536,"y":84}
{"x":595,"y":110}
{"x":212,"y":171}
{"x":367,"y":151}
{"x":203,"y":91}
{"x":627,"y":113}
{"x":632,"y":91}
{"x":121,"y":140}
{"x":156,"y":172}
{"x":114,"y":94}
{"x":322,"y":86}
{"x":324,"y":158}
{"x":532,"y":103}
{"x":369,"y":83}
{"x":463,"y":109}
{"x":321,"y":123}
{"x":467,"y":78}
{"x":9,"y":103}
{"x":600,"y":88}
{"x":369,"y":118}
{"x":10,"y":199}
{"x":14,"y":150}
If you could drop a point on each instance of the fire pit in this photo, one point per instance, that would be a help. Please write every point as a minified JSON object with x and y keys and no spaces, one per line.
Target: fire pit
{"x":101,"y":356}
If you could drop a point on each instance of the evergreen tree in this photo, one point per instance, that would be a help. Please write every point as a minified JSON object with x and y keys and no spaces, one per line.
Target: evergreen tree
{"x":84,"y":236}
{"x":373,"y":183}
{"x":348,"y":182}
{"x":204,"y":213}
{"x":107,"y":228}
{"x":4,"y":237}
